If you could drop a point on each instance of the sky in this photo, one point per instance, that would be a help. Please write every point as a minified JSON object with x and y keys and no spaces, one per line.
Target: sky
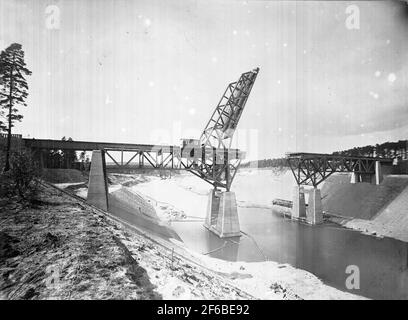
{"x":333,"y":75}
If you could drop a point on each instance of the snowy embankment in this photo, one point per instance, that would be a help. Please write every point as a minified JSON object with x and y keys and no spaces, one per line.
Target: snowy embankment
{"x":391,"y":221}
{"x":58,"y":248}
{"x":255,"y":188}
{"x":186,"y":196}
{"x":64,"y":249}
{"x":377,"y":210}
{"x":270,"y":280}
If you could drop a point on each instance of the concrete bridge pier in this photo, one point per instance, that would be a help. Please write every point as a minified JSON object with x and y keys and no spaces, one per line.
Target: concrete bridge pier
{"x":374,"y":178}
{"x":298,"y":206}
{"x":222,"y":214}
{"x":355,"y":178}
{"x":315,"y":208}
{"x":98,"y":185}
{"x":378,"y":173}
{"x":213,"y":205}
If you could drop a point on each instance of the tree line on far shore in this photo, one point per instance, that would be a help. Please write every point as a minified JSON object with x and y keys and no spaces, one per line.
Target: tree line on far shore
{"x":384,"y":150}
{"x":266,"y":163}
{"x":397,"y":149}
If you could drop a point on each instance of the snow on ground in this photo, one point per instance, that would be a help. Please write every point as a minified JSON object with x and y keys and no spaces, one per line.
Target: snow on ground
{"x":178,"y":193}
{"x":167,"y":212}
{"x":189,"y":194}
{"x":391,"y":221}
{"x":263,"y":280}
{"x":126,"y":180}
{"x":66,"y":185}
{"x":176,"y":278}
{"x":82,"y":192}
{"x":186,"y":196}
{"x":373,"y":210}
{"x":258,"y":187}
{"x":64,"y":249}
{"x":61,"y":249}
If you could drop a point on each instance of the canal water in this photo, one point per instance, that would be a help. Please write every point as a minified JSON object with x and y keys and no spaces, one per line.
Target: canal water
{"x":324,"y":250}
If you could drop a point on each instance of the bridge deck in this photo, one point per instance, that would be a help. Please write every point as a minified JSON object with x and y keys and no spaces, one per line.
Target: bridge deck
{"x":314,"y":168}
{"x":216,"y":166}
{"x":90,"y":146}
{"x":310,"y":155}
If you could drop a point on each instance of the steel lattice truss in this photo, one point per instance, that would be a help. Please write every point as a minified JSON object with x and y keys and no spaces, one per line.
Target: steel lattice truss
{"x":157,"y":157}
{"x":312,"y":168}
{"x":216,"y":166}
{"x":198,"y":160}
{"x":220,"y":129}
{"x":220,"y":169}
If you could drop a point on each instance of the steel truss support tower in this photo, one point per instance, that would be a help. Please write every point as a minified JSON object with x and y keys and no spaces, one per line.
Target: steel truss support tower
{"x":224,"y":120}
{"x":220,"y":129}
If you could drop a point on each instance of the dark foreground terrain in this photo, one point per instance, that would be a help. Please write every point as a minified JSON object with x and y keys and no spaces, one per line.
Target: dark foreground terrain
{"x":60,"y":248}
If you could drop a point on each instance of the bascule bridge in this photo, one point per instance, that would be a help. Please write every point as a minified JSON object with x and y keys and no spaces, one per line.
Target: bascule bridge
{"x":210,"y":157}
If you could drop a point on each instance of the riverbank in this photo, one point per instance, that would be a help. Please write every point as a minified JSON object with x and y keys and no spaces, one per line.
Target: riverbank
{"x":376,"y":210}
{"x":261,"y":279}
{"x":391,"y":221}
{"x":61,"y":248}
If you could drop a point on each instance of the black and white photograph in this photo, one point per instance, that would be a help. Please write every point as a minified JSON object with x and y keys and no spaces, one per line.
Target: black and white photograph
{"x":224,"y":151}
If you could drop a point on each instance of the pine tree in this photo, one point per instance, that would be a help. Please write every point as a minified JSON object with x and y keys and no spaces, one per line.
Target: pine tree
{"x":13,"y":89}
{"x":3,"y":126}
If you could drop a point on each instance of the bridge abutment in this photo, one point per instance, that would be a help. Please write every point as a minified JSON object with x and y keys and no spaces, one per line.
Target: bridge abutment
{"x":98,"y":186}
{"x":315,"y":208}
{"x":298,"y":205}
{"x":222,"y":214}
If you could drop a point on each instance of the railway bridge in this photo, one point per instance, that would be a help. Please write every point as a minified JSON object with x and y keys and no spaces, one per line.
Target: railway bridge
{"x":311,"y":169}
{"x":189,"y":157}
{"x":210,"y":157}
